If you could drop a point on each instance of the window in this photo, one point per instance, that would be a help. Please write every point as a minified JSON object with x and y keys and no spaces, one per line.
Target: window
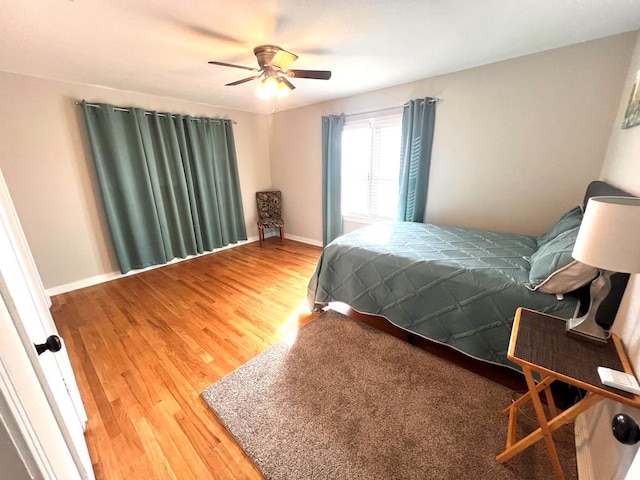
{"x":371,"y":151}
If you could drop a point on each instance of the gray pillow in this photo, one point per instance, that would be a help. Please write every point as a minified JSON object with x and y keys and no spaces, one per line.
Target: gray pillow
{"x":566,"y":222}
{"x":554,"y":270}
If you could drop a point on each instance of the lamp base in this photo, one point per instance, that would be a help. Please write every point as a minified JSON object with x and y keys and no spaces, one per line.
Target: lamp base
{"x":586,"y":326}
{"x":587,"y":329}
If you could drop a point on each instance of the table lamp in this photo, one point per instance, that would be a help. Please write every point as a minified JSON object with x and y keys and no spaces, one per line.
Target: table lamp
{"x":608,"y":239}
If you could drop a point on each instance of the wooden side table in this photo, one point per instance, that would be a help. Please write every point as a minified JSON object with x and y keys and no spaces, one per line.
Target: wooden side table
{"x":540,"y":344}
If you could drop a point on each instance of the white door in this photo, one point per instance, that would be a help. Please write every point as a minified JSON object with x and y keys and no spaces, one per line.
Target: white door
{"x":33,"y":445}
{"x":28,"y":307}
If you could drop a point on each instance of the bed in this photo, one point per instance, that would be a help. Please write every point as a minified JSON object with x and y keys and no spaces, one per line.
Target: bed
{"x":456,"y":286}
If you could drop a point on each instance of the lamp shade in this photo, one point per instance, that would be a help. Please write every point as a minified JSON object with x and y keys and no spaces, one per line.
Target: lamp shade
{"x":609,"y":236}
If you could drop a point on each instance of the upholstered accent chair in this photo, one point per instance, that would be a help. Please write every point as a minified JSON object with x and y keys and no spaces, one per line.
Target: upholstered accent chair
{"x":270,"y":213}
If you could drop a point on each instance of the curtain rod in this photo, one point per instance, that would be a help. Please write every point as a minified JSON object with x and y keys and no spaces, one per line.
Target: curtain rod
{"x":120,"y":109}
{"x":433,"y":100}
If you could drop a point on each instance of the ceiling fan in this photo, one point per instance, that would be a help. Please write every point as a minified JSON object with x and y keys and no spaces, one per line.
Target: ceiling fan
{"x":274,"y":71}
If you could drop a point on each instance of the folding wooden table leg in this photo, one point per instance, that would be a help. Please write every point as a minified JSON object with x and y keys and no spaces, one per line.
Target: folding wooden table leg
{"x":527,"y":396}
{"x":542,"y":420}
{"x":550,"y":402}
{"x":561,"y":419}
{"x":511,"y":427}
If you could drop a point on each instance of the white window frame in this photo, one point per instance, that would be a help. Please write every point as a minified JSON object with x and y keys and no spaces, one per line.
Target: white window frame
{"x":392,"y":116}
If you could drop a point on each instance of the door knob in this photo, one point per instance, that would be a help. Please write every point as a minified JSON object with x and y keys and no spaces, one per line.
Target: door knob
{"x":53,"y":343}
{"x":625,"y":429}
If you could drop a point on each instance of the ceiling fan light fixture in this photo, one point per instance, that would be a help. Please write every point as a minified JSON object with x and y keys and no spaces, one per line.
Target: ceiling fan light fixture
{"x":267,"y":88}
{"x":283,"y":89}
{"x":271,"y":87}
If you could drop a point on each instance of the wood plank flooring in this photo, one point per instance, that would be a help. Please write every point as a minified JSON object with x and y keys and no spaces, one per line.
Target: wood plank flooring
{"x":143,"y":348}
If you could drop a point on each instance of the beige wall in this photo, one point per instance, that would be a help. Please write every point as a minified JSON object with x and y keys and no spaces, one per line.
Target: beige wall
{"x":47,"y":165}
{"x":610,"y":459}
{"x":515,"y":144}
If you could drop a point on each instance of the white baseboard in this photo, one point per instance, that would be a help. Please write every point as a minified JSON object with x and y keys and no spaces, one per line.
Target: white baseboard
{"x":106,"y":277}
{"x":274,"y":233}
{"x":308,"y":241}
{"x":584,"y":459}
{"x":87,"y":282}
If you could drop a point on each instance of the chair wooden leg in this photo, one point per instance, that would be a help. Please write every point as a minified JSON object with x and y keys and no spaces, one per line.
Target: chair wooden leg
{"x":281,"y":235}
{"x":261,"y":235}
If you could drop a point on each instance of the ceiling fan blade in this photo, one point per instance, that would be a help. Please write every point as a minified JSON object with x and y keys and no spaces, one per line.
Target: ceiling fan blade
{"x":238,"y":82}
{"x":216,"y":35}
{"x":314,"y":74}
{"x":282,"y":59}
{"x":234,"y":66}
{"x":290,"y":85}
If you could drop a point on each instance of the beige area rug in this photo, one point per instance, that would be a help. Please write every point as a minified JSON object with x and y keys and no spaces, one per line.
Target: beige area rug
{"x":345,"y":401}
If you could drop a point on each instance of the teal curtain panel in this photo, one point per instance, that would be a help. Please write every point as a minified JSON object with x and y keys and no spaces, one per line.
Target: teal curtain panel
{"x":332,"y":127}
{"x":169,"y":183}
{"x":418,"y":121}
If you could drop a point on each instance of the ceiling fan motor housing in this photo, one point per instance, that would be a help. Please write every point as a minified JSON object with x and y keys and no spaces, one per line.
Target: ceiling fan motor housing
{"x":266,"y":53}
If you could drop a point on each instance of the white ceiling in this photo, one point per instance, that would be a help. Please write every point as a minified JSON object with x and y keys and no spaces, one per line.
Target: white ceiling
{"x":161,"y":47}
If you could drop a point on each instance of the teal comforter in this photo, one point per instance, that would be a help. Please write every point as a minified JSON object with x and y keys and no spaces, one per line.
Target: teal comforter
{"x":455,"y":286}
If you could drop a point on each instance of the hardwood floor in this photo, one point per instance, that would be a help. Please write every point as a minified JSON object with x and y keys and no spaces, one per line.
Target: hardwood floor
{"x":144,"y":347}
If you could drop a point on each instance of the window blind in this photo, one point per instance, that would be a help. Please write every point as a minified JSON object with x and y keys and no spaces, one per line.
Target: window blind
{"x":371,"y":164}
